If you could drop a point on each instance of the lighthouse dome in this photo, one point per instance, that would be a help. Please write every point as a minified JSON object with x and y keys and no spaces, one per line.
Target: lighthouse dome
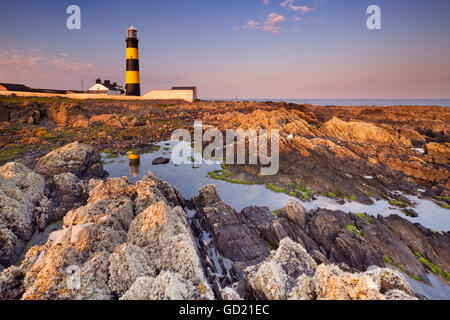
{"x":132,"y":33}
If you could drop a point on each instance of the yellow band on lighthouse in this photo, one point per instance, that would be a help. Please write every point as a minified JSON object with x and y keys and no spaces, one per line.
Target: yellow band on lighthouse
{"x":132,"y":53}
{"x":132,"y":77}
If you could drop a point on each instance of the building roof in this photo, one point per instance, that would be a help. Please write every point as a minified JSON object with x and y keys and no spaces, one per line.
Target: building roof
{"x":15,"y":87}
{"x":184,"y":88}
{"x":108,"y":85}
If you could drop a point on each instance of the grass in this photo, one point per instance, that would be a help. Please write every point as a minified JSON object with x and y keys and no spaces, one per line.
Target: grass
{"x":349,"y":197}
{"x":397,"y":203}
{"x":389,"y":261}
{"x":430,"y":265}
{"x":352,"y":228}
{"x":298,"y":191}
{"x":275,"y":213}
{"x":8,"y":154}
{"x":271,"y":187}
{"x":443,"y":205}
{"x":225,"y":174}
{"x":271,"y":247}
{"x":332,"y":194}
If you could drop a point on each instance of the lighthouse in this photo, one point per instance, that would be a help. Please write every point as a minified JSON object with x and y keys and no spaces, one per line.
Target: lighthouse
{"x":133,"y":87}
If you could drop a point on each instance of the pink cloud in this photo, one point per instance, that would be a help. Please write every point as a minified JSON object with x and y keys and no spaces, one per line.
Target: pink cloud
{"x":43,"y":69}
{"x":273,"y":23}
{"x":290,"y":5}
{"x":252,"y":24}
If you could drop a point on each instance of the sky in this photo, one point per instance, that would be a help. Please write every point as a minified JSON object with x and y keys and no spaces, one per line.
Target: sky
{"x":279,"y":49}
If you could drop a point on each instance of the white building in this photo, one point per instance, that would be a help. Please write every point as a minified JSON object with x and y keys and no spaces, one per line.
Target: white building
{"x":176,"y":93}
{"x":106,"y":88}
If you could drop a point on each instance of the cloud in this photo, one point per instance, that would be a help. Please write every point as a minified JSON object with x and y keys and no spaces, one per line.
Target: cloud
{"x":298,"y":19}
{"x":289,"y":4}
{"x":251,"y":24}
{"x":266,"y":2}
{"x":273,"y":23}
{"x":46,"y":69}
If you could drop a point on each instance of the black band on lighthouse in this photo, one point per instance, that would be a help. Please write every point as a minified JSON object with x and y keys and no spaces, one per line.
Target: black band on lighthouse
{"x":132,"y":65}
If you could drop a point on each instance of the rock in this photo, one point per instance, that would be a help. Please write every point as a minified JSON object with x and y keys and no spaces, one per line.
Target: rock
{"x":164,"y":233}
{"x":335,"y":284}
{"x":274,"y":278}
{"x":260,"y":219}
{"x":21,"y":190}
{"x":294,"y":212}
{"x":207,"y":196}
{"x":127,"y":264}
{"x":362,"y":132}
{"x":232,"y":238}
{"x":388,"y":279}
{"x":11,"y":283}
{"x":112,"y":120}
{"x":410,"y":213}
{"x":75,"y":158}
{"x":268,"y":281}
{"x":160,"y":160}
{"x":4,"y":114}
{"x":304,"y":289}
{"x":398,"y":295}
{"x":438,"y":150}
{"x":167,"y":286}
{"x":229,"y":293}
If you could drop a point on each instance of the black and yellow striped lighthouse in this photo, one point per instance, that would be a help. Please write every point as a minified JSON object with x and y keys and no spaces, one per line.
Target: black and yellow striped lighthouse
{"x":133,"y":87}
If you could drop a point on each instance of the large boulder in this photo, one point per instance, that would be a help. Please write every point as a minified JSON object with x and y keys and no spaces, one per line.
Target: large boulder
{"x":75,"y":158}
{"x":274,"y":278}
{"x":21,"y":192}
{"x":166,"y":286}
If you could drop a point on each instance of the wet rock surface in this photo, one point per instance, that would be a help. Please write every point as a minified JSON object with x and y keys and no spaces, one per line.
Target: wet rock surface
{"x":352,"y":241}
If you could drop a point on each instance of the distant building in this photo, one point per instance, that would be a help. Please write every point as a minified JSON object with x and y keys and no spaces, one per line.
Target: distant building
{"x":176,"y":93}
{"x":187,"y":88}
{"x":106,"y":88}
{"x":14,"y":87}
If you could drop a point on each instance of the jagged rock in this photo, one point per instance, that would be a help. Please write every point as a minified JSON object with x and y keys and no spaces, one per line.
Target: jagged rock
{"x":93,"y":280}
{"x":295,"y":213}
{"x":115,"y":214}
{"x":127,"y":264}
{"x":165,"y":234}
{"x":21,"y":191}
{"x":304,"y":289}
{"x":261,"y":219}
{"x":160,"y":160}
{"x":398,"y":295}
{"x":230,"y":293}
{"x":356,"y":131}
{"x":335,"y":284}
{"x":167,"y":286}
{"x":388,"y":279}
{"x":75,"y":158}
{"x":232,"y":238}
{"x":274,"y":278}
{"x":11,"y":283}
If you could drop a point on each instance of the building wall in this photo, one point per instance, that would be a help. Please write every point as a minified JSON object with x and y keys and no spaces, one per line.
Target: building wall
{"x":187,"y":95}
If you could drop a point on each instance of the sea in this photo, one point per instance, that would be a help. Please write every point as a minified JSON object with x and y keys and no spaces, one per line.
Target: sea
{"x":358,"y":102}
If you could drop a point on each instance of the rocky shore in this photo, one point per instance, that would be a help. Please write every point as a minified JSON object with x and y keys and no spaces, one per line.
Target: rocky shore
{"x":136,"y":241}
{"x":346,"y":153}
